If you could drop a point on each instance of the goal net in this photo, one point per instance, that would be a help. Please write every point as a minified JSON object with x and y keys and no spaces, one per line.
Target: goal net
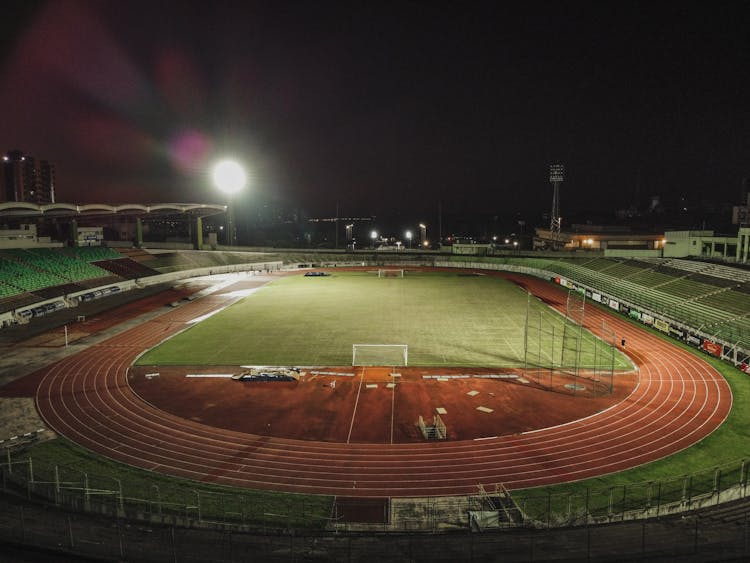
{"x":390,"y":273}
{"x":380,"y":354}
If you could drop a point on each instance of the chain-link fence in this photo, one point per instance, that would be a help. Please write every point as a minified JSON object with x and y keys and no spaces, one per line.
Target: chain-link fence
{"x":693,"y":538}
{"x":80,"y":491}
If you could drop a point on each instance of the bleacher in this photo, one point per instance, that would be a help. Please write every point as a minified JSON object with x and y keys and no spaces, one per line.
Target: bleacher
{"x":707,"y":296}
{"x":93,"y":253}
{"x":48,"y":260}
{"x":126,"y":268}
{"x":25,"y":277}
{"x":31,"y":275}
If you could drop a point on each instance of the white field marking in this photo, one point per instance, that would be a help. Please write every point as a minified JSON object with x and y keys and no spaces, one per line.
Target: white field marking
{"x":444,"y":377}
{"x":372,"y":385}
{"x":150,"y":375}
{"x":356,"y":402}
{"x":225,"y":375}
{"x":240,"y":292}
{"x":473,"y":393}
{"x":316,"y":372}
{"x":485,"y":438}
{"x":441,"y":410}
{"x":485,"y":409}
{"x":206,"y":316}
{"x":392,"y":386}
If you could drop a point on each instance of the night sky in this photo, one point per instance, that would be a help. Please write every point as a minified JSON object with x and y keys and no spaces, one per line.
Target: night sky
{"x":383,"y":107}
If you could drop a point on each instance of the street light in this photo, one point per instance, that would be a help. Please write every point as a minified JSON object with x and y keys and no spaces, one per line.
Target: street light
{"x":408,"y":237}
{"x":374,"y":237}
{"x":229,"y":177}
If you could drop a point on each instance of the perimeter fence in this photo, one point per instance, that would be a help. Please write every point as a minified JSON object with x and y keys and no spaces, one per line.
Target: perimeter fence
{"x":199,"y":505}
{"x":65,"y":509}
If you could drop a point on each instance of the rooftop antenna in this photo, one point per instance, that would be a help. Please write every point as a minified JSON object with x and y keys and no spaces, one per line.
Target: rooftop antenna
{"x":556,"y":176}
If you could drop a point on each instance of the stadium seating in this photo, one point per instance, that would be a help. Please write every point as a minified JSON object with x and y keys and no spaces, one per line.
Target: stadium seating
{"x":93,"y":253}
{"x":50,"y":261}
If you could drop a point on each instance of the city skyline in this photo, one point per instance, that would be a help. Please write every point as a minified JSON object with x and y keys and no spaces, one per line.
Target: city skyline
{"x":384,"y":109}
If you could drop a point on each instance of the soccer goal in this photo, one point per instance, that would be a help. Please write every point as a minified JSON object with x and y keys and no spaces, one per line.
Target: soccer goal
{"x":380,"y":354}
{"x":390,"y":273}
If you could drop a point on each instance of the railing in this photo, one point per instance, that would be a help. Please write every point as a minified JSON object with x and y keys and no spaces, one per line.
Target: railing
{"x":80,"y":491}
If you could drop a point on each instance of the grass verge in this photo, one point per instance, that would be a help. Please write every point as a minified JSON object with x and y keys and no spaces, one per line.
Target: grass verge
{"x":153,"y":493}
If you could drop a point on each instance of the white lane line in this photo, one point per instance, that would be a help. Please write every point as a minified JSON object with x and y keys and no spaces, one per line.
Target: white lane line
{"x":359,"y":390}
{"x":393,"y":408}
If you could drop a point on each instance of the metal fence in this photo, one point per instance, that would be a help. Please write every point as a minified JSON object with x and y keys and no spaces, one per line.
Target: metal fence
{"x":693,"y":538}
{"x":83,"y":492}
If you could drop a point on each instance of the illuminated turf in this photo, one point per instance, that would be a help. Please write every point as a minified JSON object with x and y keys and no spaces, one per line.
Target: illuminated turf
{"x":446,"y":319}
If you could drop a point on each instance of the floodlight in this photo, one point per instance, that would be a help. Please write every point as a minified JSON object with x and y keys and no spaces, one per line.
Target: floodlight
{"x":229,"y":176}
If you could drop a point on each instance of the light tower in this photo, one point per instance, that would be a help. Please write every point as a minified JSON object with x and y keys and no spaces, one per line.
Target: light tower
{"x":556,"y":176}
{"x":229,"y":177}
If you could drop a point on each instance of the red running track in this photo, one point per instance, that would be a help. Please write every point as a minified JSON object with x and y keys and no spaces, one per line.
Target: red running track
{"x":679,"y":400}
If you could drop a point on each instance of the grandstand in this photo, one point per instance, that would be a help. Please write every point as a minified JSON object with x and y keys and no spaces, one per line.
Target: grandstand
{"x":703,"y":296}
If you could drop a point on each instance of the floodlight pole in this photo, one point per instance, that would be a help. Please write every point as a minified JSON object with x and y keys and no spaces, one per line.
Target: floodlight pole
{"x":231,"y":229}
{"x":230,"y":178}
{"x":556,"y":176}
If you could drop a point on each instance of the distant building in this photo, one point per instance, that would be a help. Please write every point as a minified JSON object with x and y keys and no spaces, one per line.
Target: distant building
{"x":611,"y":239}
{"x":22,"y":179}
{"x":706,"y":244}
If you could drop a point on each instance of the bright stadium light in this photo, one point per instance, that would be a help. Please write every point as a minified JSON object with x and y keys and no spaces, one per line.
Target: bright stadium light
{"x":408,"y":237}
{"x":229,"y":176}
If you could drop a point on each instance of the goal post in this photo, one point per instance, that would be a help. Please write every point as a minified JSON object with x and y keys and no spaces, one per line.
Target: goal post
{"x":380,"y":354}
{"x":391,"y":273}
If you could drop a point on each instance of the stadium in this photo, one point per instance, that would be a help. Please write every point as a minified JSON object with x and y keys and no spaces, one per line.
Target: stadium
{"x":287,"y":405}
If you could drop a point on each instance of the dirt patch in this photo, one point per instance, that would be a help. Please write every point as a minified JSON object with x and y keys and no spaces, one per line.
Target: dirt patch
{"x":18,"y":416}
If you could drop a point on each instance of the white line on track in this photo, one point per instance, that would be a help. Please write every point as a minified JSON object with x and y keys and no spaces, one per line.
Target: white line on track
{"x":356,"y":402}
{"x":393,"y":408}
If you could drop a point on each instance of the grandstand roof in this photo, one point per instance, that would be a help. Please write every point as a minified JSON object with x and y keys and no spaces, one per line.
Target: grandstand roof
{"x":21,"y":209}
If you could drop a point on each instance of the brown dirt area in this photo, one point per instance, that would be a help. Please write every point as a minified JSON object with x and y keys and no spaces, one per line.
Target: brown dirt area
{"x":362,"y":408}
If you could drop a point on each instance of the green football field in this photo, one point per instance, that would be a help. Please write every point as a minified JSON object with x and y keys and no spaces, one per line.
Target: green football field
{"x":446,"y":319}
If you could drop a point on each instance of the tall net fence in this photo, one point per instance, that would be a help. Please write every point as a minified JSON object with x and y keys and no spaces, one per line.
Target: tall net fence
{"x":560,"y":355}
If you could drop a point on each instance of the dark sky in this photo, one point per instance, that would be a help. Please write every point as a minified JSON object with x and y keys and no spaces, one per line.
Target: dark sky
{"x":384,"y":105}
